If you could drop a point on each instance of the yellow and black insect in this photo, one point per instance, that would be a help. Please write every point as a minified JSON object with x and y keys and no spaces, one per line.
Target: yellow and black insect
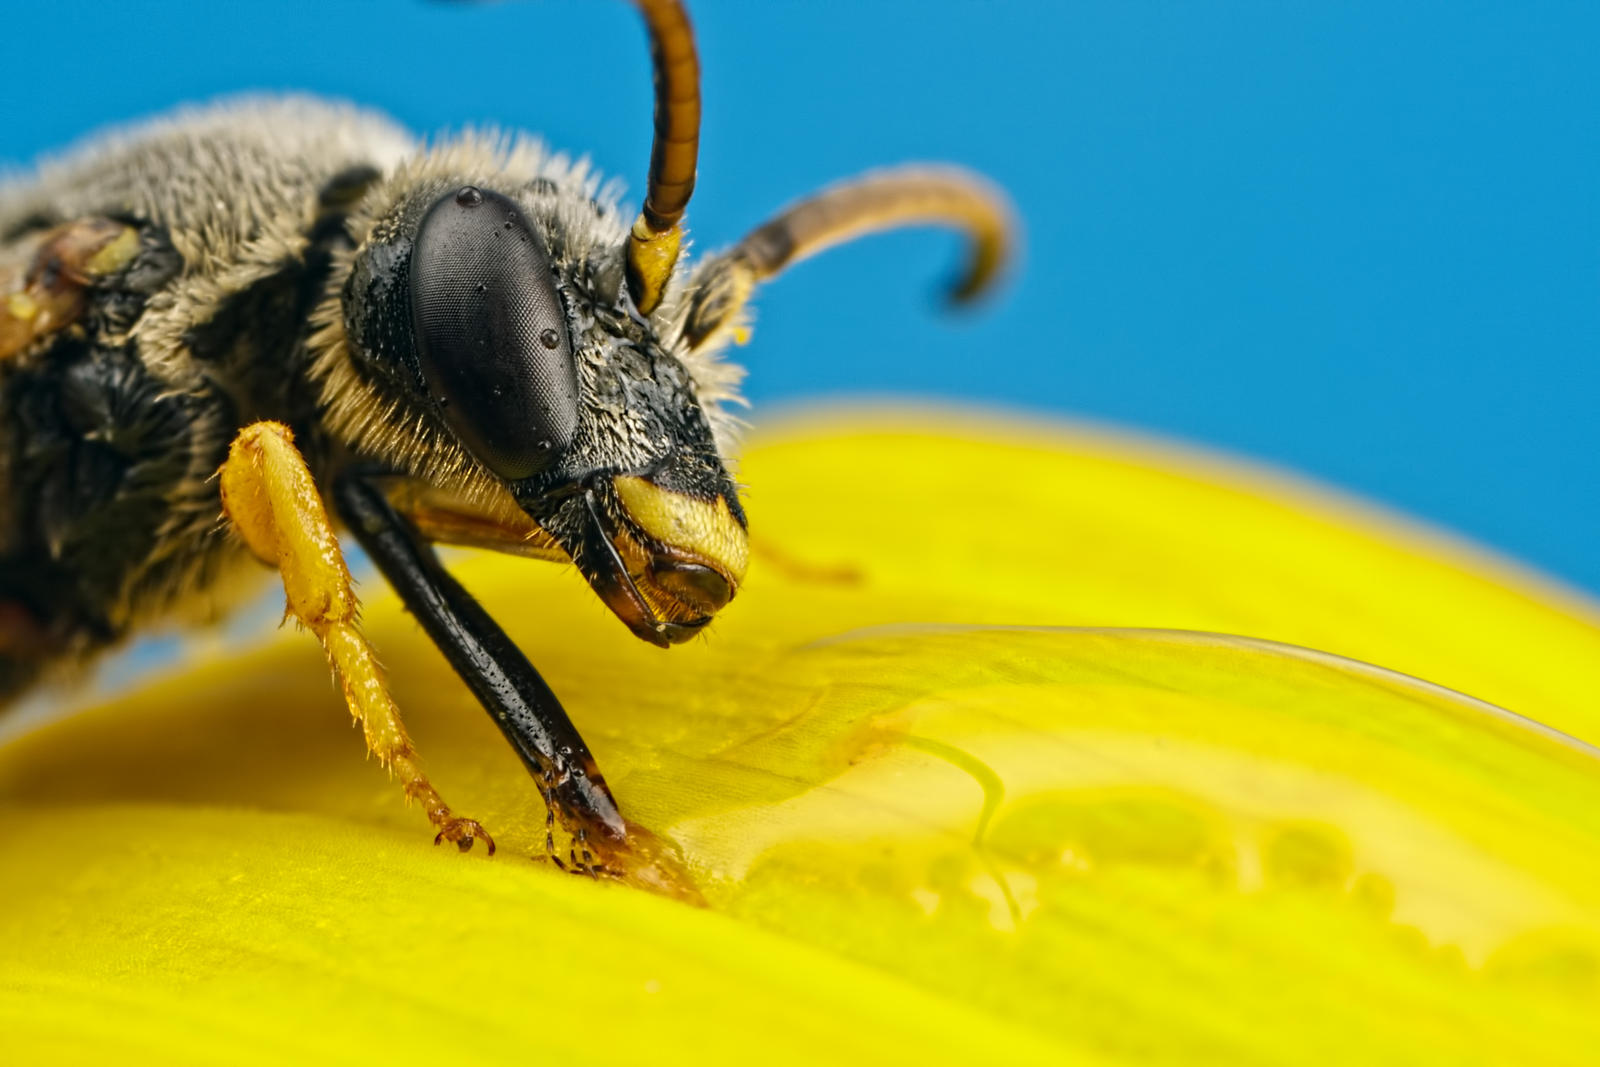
{"x":461,"y":343}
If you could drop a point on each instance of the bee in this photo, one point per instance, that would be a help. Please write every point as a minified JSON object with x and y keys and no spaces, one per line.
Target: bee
{"x":223,"y":327}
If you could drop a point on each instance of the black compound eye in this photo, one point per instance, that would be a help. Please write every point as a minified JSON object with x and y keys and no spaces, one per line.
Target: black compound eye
{"x":491,"y":335}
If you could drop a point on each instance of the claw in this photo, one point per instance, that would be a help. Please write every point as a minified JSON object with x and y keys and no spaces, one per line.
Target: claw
{"x":462,"y":832}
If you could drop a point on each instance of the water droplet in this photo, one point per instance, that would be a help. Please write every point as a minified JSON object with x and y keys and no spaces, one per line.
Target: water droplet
{"x":469,"y":196}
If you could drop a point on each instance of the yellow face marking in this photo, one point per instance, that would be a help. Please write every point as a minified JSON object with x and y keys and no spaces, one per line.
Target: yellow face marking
{"x":698,"y":527}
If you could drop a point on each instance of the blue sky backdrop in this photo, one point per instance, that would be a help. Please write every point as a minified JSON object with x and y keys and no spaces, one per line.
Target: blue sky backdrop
{"x":1359,"y":240}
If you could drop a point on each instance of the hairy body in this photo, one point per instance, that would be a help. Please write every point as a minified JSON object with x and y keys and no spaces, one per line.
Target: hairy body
{"x":221,"y":327}
{"x":113,"y":426}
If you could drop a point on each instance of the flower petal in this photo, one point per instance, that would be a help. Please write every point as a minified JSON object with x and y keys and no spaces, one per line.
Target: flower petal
{"x":1057,"y":524}
{"x":925,"y":836}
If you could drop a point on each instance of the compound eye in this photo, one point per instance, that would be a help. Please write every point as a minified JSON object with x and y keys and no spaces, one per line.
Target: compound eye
{"x":491,"y":335}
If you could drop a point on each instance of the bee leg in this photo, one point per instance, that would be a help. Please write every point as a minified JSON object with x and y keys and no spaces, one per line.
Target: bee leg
{"x":599,"y":840}
{"x":523,"y":705}
{"x":272,"y":501}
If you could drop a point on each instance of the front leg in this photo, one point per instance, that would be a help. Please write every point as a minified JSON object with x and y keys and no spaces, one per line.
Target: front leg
{"x":502,"y":678}
{"x":269,"y":495}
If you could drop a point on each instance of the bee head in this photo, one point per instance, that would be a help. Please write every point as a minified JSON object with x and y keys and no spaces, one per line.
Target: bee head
{"x":488,"y":318}
{"x":502,"y":334}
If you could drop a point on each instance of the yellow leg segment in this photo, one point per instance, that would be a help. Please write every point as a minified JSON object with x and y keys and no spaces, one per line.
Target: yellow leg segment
{"x":269,"y":495}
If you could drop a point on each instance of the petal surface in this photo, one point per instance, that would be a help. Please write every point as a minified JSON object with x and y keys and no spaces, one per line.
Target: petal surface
{"x":938,"y":816}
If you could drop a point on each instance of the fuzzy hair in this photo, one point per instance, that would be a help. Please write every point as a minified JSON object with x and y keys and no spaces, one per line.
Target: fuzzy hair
{"x":583,"y":219}
{"x":235,"y":185}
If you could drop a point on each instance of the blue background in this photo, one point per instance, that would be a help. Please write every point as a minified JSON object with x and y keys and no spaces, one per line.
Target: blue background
{"x":1360,"y":240}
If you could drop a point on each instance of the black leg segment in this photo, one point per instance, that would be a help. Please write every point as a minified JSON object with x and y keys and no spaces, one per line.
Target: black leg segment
{"x":496,"y":671}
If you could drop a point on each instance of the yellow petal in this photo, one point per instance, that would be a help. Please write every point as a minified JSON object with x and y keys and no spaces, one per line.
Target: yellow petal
{"x":1062,"y":525}
{"x":938,"y":839}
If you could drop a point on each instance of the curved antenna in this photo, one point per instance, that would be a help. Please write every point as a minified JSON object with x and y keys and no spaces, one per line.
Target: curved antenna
{"x":653,"y":243}
{"x":879,"y":200}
